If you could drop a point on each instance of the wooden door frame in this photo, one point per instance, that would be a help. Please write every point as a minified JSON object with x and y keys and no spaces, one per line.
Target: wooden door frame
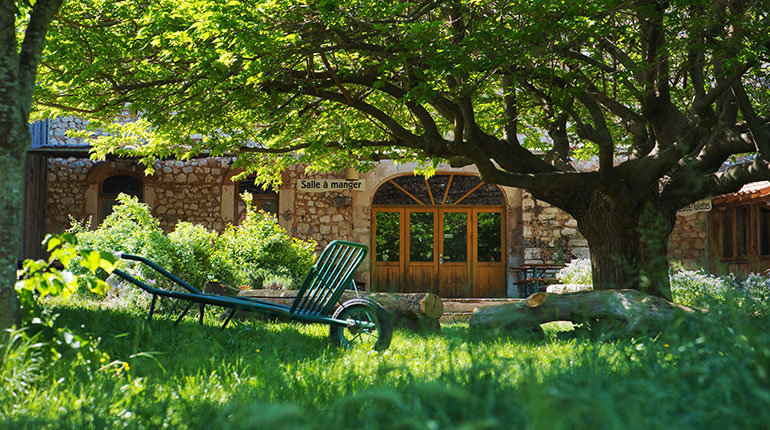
{"x":472,"y":252}
{"x":407,"y":234}
{"x":476,"y":264}
{"x":401,"y":246}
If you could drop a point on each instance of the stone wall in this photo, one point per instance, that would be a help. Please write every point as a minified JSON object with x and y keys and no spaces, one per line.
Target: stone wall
{"x":58,"y":127}
{"x":66,"y":193}
{"x":189,"y":191}
{"x":324,"y":216}
{"x":549,"y":234}
{"x":687,"y":242}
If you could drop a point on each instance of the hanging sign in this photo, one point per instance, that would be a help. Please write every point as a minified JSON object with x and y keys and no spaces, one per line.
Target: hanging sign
{"x":693,"y":208}
{"x":324,"y":185}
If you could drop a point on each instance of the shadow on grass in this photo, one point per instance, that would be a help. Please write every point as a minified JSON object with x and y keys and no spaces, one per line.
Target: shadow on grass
{"x":159,"y":346}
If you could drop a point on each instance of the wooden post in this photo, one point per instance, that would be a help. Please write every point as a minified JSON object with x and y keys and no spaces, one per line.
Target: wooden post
{"x":35,"y":194}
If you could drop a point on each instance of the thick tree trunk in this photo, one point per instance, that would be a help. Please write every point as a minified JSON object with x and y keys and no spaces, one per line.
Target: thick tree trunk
{"x":18,"y":69}
{"x":415,"y":311}
{"x":629,"y":250}
{"x":636,"y":311}
{"x":14,"y":141}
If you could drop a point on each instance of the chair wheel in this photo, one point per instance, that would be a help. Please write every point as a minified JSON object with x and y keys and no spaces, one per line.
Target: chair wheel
{"x":370,"y":325}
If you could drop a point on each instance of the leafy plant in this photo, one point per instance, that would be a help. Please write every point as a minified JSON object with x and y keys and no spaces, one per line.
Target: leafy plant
{"x":192,"y":247}
{"x":578,"y":271}
{"x":697,"y":288}
{"x":259,"y":248}
{"x":757,"y":290}
{"x":278,"y":282}
{"x":244,"y":254}
{"x":41,"y":342}
{"x":41,"y":278}
{"x":130,"y":228}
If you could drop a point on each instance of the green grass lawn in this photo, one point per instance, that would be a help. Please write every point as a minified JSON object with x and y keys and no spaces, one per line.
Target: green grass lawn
{"x":258,"y":375}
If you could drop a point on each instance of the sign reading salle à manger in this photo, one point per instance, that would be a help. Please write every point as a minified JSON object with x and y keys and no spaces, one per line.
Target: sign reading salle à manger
{"x":324,"y":185}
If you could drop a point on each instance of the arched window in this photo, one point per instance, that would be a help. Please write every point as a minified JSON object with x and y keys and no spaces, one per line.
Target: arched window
{"x":111,"y":187}
{"x":438,"y":190}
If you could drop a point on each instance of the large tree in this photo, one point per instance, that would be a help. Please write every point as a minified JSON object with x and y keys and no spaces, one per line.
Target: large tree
{"x":23,"y":29}
{"x":662,"y":93}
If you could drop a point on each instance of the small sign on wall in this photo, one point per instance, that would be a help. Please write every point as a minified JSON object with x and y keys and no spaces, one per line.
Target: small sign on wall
{"x":693,"y":208}
{"x":324,"y":185}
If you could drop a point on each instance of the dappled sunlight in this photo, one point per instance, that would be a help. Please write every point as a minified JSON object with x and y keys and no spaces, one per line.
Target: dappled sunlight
{"x":196,"y":376}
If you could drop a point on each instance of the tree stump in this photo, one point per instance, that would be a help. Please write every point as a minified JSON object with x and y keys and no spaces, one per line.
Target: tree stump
{"x":413,"y":311}
{"x":636,"y":311}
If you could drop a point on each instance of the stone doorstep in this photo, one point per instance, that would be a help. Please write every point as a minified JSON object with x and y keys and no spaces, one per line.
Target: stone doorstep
{"x":461,"y":309}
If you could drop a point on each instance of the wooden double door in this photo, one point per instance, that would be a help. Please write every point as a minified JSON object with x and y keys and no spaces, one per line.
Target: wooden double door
{"x":449,"y":251}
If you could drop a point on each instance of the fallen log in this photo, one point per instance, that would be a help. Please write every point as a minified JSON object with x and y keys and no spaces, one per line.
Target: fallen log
{"x":634,"y":310}
{"x":414,"y":311}
{"x":568,"y":288}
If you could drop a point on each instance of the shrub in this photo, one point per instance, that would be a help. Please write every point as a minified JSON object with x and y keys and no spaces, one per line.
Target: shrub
{"x":697,"y":288}
{"x":193,"y":246}
{"x":259,"y":249}
{"x":256,"y":250}
{"x":130,"y":228}
{"x":278,"y":282}
{"x":756,"y":288}
{"x":578,"y":271}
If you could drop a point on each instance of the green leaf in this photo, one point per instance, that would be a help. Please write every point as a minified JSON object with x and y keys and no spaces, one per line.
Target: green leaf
{"x":107,"y":262}
{"x":52,"y":242}
{"x":91,"y":260}
{"x":97,"y":286}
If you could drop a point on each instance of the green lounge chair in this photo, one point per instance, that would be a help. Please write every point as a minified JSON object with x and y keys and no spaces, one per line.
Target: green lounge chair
{"x":356,"y":321}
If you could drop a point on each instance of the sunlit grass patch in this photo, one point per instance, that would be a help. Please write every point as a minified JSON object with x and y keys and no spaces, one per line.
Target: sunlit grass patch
{"x":261,"y":374}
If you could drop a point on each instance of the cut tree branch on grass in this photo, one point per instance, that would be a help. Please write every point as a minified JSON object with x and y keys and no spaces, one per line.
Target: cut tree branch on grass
{"x":414,"y":311}
{"x":635,"y":311}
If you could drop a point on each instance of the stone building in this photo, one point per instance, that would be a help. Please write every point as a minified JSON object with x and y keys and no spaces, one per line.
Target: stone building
{"x":450,"y":234}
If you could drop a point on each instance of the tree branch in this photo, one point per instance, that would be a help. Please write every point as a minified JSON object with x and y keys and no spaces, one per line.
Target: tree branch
{"x":510,"y":110}
{"x":32,"y":46}
{"x":752,"y":120}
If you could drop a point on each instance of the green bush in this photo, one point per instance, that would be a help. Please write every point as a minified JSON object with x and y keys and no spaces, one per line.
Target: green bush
{"x":130,"y":228}
{"x":697,"y":288}
{"x":578,"y":271}
{"x":260,"y":249}
{"x":756,"y":291}
{"x":247,"y":254}
{"x":192,"y":257}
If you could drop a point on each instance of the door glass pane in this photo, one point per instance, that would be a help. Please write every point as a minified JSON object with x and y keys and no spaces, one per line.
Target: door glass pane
{"x":727,"y":233}
{"x":764,"y":231}
{"x":421,"y":236}
{"x":741,"y":242}
{"x":489,"y":248}
{"x":455,"y":237}
{"x":387,"y":228}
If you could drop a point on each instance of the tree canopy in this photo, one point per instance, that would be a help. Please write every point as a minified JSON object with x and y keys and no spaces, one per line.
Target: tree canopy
{"x":662,"y":92}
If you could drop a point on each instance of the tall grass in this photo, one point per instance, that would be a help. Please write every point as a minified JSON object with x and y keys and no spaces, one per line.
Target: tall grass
{"x":702,"y":373}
